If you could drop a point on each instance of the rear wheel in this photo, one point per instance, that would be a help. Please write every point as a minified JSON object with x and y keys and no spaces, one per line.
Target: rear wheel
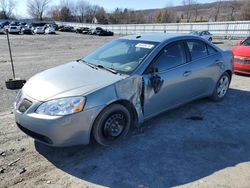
{"x":112,"y":124}
{"x":221,"y":87}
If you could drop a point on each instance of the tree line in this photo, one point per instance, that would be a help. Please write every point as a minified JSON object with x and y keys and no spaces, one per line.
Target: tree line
{"x":84,"y":12}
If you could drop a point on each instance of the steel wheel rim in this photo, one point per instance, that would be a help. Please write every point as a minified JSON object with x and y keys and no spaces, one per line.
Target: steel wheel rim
{"x":114,"y":125}
{"x":222,"y":86}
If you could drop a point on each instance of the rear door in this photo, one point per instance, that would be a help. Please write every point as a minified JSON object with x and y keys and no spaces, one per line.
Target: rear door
{"x":206,"y":64}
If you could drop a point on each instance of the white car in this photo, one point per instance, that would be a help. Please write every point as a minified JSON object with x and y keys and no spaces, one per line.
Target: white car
{"x":39,"y":30}
{"x":204,"y":34}
{"x":14,"y":29}
{"x":2,"y":30}
{"x":50,"y":30}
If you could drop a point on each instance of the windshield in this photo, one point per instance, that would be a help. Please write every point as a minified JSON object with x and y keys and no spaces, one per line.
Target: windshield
{"x":121,"y":55}
{"x":246,"y":42}
{"x":195,"y":32}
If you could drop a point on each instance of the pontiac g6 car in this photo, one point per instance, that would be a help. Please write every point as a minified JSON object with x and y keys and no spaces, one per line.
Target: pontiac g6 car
{"x":119,"y":86}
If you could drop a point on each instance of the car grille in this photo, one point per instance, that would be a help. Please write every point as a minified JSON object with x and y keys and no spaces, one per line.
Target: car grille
{"x":242,"y":60}
{"x":24,"y":105}
{"x":34,"y":135}
{"x":242,"y":70}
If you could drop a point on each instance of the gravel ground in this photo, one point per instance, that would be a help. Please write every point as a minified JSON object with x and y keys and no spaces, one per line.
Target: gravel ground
{"x":168,"y":150}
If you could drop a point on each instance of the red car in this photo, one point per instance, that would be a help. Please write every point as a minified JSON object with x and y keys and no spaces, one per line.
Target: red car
{"x":242,"y":57}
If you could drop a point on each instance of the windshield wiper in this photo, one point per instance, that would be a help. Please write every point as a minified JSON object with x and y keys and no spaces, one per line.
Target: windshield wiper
{"x":107,"y":68}
{"x":89,"y":64}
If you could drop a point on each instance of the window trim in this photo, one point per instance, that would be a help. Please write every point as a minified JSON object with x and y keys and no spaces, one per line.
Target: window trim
{"x":182,"y":42}
{"x":206,"y":44}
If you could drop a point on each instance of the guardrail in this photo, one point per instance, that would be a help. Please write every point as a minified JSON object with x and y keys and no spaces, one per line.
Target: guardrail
{"x":218,"y":29}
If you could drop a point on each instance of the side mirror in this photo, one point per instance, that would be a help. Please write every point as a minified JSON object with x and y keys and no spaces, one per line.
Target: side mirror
{"x":152,"y":70}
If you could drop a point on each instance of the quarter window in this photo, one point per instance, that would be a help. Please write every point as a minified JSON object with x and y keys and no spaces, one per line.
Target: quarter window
{"x":197,"y":49}
{"x":210,"y":50}
{"x":171,"y":57}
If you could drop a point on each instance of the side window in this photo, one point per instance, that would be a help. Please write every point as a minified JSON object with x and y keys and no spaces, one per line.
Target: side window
{"x":171,"y":57}
{"x":197,"y":49}
{"x":211,"y":50}
{"x":246,"y":42}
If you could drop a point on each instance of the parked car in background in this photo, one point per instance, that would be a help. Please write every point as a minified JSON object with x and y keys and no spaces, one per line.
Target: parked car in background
{"x":27,"y":30}
{"x":66,"y":29}
{"x":2,"y":29}
{"x":82,"y":30}
{"x":5,"y":23}
{"x":102,"y":32}
{"x":39,"y":30}
{"x":204,"y":34}
{"x":241,"y":58}
{"x":120,"y":85}
{"x":14,"y":23}
{"x":22,"y":24}
{"x":55,"y":26}
{"x":14,"y":29}
{"x":50,"y":30}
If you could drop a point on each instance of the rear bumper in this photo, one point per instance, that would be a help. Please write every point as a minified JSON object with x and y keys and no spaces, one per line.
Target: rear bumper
{"x":242,"y":68}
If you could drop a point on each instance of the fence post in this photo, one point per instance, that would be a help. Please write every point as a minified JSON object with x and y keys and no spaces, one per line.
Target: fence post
{"x":227,"y":26}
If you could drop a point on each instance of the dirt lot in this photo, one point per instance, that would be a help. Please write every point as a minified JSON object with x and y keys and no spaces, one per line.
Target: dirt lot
{"x":169,"y":150}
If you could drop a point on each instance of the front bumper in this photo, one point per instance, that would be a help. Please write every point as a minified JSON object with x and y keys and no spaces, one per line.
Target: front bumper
{"x":60,"y":131}
{"x":242,"y":68}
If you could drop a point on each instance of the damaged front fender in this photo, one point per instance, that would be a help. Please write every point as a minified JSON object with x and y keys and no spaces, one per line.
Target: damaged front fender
{"x":132,"y":89}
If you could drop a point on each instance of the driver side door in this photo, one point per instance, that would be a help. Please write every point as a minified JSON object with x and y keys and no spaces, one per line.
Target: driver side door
{"x":174,"y":78}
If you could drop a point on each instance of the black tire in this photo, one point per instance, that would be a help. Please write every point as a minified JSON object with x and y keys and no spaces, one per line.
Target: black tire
{"x":112,"y":124}
{"x":14,"y":84}
{"x":219,"y":95}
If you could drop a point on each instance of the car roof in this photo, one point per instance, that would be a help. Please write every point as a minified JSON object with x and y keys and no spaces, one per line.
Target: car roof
{"x":159,"y":37}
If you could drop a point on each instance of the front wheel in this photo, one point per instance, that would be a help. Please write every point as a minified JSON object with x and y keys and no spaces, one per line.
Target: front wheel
{"x":221,"y":87}
{"x":112,"y":124}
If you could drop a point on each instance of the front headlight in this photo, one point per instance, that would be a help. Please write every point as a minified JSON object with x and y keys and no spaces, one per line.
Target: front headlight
{"x":63,"y":106}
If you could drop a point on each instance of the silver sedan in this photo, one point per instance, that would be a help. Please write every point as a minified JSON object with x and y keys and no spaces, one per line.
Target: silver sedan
{"x":119,"y":86}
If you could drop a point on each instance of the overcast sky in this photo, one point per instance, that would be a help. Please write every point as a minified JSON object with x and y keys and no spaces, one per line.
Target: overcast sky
{"x":110,"y":5}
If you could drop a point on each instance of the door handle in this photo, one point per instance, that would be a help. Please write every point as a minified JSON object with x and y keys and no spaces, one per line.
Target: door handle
{"x":187,"y":73}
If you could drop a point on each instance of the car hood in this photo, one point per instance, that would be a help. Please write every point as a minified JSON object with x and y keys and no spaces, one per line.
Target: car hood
{"x":71,"y":79}
{"x":242,"y":51}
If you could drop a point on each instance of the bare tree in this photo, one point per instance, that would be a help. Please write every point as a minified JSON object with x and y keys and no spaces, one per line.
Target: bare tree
{"x":188,"y":5}
{"x":196,"y":7}
{"x":245,"y":13}
{"x":217,"y":10}
{"x":37,"y":8}
{"x":55,"y":13}
{"x":6,"y":8}
{"x":165,"y":16}
{"x":65,"y":14}
{"x":232,"y":6}
{"x":81,"y":8}
{"x":101,"y":16}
